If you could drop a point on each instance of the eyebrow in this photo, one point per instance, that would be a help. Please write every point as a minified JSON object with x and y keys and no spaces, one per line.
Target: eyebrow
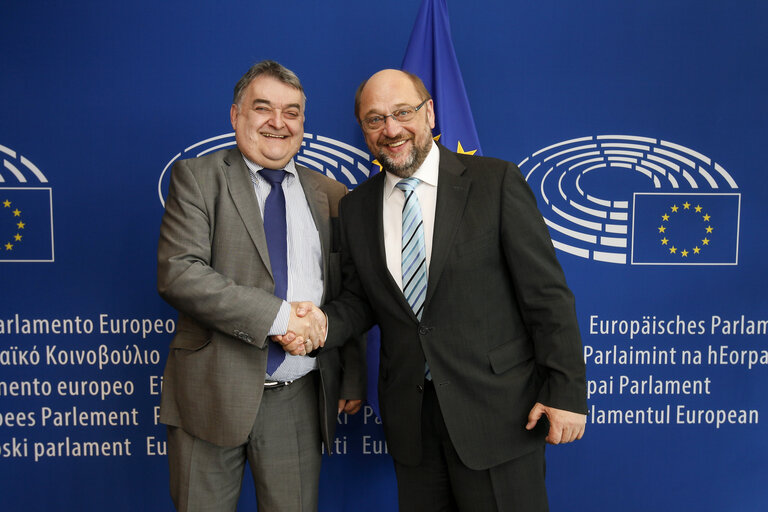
{"x":267,"y":102}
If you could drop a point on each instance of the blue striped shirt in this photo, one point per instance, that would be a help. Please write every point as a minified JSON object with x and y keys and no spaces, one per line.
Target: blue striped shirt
{"x":305,"y":261}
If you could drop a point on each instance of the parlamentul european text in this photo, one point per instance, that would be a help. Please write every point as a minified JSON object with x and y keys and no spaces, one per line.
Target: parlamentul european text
{"x":673,"y":415}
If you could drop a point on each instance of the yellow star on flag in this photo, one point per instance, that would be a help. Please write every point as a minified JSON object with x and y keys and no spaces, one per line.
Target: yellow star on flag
{"x":461,"y":151}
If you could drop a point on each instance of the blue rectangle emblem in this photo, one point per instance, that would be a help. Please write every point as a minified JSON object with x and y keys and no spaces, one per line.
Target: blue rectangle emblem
{"x":26,"y":225}
{"x":685,"y":229}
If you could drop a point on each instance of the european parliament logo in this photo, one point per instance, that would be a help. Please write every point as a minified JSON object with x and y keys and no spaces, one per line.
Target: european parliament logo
{"x":636,"y":200}
{"x":334,"y":158}
{"x":26,"y":213}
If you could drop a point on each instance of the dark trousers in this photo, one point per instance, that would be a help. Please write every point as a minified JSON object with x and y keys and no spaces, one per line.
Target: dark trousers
{"x":442,"y":483}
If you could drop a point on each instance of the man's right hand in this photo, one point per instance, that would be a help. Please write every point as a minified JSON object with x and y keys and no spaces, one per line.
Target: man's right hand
{"x":306,"y":329}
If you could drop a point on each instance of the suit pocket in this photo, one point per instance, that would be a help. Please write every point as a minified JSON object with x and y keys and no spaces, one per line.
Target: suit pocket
{"x":191,"y":337}
{"x":510,"y":354}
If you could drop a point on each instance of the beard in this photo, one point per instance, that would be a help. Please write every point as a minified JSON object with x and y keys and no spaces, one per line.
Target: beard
{"x":412,"y":162}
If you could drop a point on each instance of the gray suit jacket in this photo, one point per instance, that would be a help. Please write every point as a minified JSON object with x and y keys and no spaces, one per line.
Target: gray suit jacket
{"x":498,"y":329}
{"x":213,"y":267}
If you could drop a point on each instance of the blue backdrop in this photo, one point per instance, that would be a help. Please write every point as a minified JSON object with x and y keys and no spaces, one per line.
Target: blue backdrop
{"x":616,"y":112}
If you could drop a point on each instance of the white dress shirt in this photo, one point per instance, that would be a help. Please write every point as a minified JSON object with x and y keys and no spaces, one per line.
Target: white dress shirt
{"x":394,"y":199}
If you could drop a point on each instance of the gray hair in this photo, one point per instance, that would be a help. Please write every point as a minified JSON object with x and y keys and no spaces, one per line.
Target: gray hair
{"x":268,"y":68}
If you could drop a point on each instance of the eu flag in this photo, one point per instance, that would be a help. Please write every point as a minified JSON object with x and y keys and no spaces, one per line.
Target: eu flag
{"x":430,"y":55}
{"x":26,"y":225}
{"x":685,"y":229}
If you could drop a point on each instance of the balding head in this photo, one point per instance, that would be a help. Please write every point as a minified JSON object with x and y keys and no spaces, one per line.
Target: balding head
{"x":386,"y":76}
{"x":399,"y":142}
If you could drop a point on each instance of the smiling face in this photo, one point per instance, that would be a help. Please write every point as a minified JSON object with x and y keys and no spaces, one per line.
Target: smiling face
{"x":400,"y":147}
{"x":269,"y":122}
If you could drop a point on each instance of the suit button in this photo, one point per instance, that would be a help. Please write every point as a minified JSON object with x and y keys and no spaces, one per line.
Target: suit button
{"x":419,"y":388}
{"x":423,"y":330}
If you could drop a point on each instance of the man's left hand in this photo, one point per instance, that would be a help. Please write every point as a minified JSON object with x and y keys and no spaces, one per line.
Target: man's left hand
{"x":349,"y":406}
{"x":564,"y":426}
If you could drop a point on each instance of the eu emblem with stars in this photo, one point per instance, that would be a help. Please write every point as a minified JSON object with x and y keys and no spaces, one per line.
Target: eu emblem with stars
{"x":26,"y":225}
{"x":685,"y":229}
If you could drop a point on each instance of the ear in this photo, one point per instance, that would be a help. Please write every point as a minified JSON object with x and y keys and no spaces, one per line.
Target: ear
{"x":233,"y":113}
{"x":431,"y":113}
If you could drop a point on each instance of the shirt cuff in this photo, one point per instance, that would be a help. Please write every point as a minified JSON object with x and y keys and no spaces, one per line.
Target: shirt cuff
{"x":280,"y":324}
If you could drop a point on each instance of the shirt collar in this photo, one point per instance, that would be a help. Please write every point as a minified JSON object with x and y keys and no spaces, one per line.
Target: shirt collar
{"x":290,"y":167}
{"x":427,"y":172}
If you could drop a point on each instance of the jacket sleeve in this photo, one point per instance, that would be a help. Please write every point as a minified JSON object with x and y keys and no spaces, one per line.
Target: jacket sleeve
{"x":349,"y":314}
{"x":547,"y":304}
{"x":187,"y":279}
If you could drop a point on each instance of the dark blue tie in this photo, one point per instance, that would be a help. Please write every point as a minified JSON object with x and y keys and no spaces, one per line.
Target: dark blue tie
{"x":276,"y":231}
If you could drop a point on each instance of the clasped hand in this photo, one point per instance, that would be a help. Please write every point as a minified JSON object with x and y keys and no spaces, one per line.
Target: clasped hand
{"x":306,"y":329}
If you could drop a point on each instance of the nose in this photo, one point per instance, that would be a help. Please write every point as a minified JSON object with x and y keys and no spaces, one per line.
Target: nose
{"x":276,"y":119}
{"x":391,"y":127}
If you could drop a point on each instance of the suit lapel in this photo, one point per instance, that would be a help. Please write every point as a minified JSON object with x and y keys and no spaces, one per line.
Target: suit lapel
{"x":244,"y":197}
{"x":375,"y":240}
{"x":452,"y":193}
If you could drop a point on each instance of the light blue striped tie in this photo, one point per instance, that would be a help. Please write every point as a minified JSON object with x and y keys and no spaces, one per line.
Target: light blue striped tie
{"x":414,"y":252}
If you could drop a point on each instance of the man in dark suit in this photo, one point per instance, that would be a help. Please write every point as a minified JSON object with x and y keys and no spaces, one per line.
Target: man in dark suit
{"x":449,"y":254}
{"x":246,"y":233}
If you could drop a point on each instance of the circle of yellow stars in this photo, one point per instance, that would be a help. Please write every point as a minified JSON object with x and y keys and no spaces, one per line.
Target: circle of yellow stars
{"x":674,"y":209}
{"x":16,"y":215}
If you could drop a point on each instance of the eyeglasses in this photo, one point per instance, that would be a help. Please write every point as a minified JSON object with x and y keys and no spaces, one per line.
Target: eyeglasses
{"x":403,"y":115}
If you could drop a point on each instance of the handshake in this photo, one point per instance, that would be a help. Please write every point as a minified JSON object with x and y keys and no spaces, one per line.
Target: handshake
{"x":307,"y":327}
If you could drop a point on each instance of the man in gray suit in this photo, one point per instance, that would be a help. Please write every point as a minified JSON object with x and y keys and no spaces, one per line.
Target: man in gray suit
{"x":245,"y":235}
{"x":481,"y":358}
